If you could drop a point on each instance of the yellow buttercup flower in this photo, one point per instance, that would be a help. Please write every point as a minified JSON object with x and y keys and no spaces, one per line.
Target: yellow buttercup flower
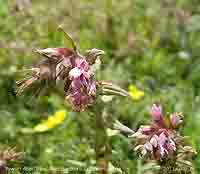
{"x":135,"y":93}
{"x":56,"y":119}
{"x":51,"y":122}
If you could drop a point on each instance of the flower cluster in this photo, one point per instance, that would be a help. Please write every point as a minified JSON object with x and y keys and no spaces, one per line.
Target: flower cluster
{"x":64,"y":64}
{"x":82,"y":90}
{"x":159,"y":140}
{"x":75,"y":70}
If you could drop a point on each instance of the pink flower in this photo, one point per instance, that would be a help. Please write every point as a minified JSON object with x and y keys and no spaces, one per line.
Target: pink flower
{"x":68,"y":66}
{"x":80,"y":86}
{"x":157,"y":140}
{"x":156,"y":112}
{"x":81,"y":94}
{"x":82,"y":64}
{"x":166,"y":145}
{"x":161,"y":142}
{"x":82,"y":90}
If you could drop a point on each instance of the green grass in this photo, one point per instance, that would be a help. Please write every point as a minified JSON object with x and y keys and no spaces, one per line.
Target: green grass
{"x":151,"y":61}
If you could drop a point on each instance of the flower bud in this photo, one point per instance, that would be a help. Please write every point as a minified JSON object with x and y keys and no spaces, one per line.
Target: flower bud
{"x":156,"y":112}
{"x":175,"y":120}
{"x":93,"y":54}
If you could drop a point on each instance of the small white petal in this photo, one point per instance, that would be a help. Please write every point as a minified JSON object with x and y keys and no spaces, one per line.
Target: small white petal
{"x":74,"y":73}
{"x":148,"y":147}
{"x":154,"y":142}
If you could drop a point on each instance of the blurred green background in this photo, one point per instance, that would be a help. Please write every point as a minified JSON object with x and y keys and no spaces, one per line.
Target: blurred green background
{"x":153,"y":45}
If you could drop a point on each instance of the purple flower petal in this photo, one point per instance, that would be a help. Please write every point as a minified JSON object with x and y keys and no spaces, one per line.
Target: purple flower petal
{"x":82,"y":91}
{"x":82,"y":64}
{"x":156,"y":112}
{"x":154,"y":141}
{"x":162,"y":139}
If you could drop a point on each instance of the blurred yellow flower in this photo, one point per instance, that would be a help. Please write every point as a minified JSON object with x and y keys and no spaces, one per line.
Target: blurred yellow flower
{"x":135,"y":93}
{"x":51,"y":122}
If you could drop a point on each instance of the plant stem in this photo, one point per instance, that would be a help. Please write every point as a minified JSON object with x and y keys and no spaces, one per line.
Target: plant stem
{"x":102,"y":147}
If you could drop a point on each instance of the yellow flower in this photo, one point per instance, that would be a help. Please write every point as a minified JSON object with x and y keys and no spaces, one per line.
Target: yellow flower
{"x":51,"y":122}
{"x":135,"y":93}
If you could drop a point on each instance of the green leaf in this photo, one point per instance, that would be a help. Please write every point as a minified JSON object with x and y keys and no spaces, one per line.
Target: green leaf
{"x":69,"y":41}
